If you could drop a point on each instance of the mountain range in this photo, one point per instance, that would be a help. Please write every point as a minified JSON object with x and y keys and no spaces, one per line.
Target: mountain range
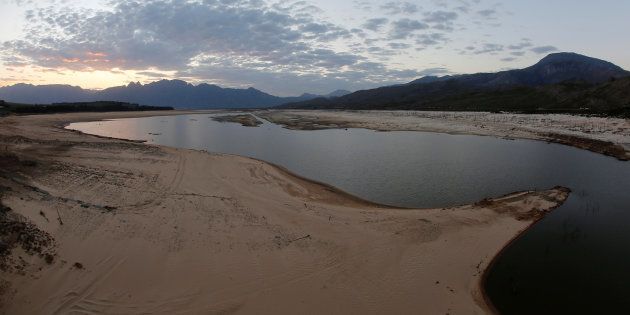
{"x":175,"y":93}
{"x":559,"y":82}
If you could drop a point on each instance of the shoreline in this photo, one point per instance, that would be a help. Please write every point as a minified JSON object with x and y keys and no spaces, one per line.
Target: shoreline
{"x":322,"y":209}
{"x":451,"y":123}
{"x":493,"y":261}
{"x":280,"y":168}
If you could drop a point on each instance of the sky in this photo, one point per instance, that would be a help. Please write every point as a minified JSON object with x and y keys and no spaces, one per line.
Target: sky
{"x":292,"y":47}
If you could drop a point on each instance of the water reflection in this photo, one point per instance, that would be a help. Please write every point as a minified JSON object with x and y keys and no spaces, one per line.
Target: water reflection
{"x":575,"y":260}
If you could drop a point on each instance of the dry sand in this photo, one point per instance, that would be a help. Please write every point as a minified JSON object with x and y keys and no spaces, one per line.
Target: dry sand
{"x":609,"y":136}
{"x":150,"y":229}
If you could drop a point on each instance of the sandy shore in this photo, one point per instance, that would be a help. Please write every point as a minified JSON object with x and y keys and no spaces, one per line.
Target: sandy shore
{"x":609,"y":136}
{"x":135,"y":228}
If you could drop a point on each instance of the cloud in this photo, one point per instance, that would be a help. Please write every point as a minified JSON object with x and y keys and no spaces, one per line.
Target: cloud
{"x":426,"y":40}
{"x":375,"y":24}
{"x":193,"y":39}
{"x":486,"y":48}
{"x":488,"y":13}
{"x":279,"y":46}
{"x":464,"y":6}
{"x":433,"y":71}
{"x":362,"y":5}
{"x":404,"y":28}
{"x":399,"y":7}
{"x":508,"y":59}
{"x":398,"y":45}
{"x":170,"y":34}
{"x":521,"y":45}
{"x":164,"y":34}
{"x":441,"y":20}
{"x":544,"y":49}
{"x":363,"y":75}
{"x":440,"y":16}
{"x":153,"y":74}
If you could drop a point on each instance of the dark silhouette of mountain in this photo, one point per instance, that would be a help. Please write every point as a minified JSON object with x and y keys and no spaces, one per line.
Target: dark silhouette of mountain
{"x":559,"y":67}
{"x":301,"y":98}
{"x":476,"y":91}
{"x":44,"y":94}
{"x":338,"y":93}
{"x":308,"y":96}
{"x":173,"y":93}
{"x":554,"y":68}
{"x":430,"y":79}
{"x":185,"y":95}
{"x":608,"y":98}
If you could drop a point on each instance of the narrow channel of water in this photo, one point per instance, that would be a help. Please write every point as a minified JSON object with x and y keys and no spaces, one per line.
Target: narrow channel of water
{"x":575,"y":260}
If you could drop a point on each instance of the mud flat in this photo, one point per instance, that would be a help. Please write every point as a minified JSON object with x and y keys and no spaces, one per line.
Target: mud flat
{"x":126,"y":227}
{"x":245,"y":120}
{"x":608,"y":136}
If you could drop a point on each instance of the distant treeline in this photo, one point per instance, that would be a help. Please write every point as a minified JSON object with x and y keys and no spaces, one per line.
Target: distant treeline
{"x":101,"y":106}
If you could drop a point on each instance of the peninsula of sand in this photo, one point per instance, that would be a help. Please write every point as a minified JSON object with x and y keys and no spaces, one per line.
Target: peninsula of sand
{"x":96,"y":225}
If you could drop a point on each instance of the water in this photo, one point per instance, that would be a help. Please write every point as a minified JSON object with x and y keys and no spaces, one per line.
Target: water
{"x":576,"y":260}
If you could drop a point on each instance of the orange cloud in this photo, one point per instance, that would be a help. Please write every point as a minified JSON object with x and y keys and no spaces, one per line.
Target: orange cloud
{"x":96,"y":54}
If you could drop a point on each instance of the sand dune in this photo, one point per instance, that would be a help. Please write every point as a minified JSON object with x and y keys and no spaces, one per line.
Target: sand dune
{"x":150,"y":229}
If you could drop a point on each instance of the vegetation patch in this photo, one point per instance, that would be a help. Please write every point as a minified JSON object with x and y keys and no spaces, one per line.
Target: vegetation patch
{"x":15,"y":230}
{"x":13,"y":108}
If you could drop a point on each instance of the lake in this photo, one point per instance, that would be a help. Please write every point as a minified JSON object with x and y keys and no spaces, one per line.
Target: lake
{"x":575,"y":260}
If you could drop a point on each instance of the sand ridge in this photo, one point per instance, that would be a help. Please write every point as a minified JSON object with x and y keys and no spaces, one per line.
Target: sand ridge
{"x":604,"y":135}
{"x":171,"y":231}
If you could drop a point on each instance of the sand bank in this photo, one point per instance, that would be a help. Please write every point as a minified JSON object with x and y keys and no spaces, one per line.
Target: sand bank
{"x":138,"y":228}
{"x":246,"y":120}
{"x":609,"y":136}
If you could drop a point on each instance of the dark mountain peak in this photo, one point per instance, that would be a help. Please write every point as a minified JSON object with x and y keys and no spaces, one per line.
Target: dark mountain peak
{"x":255,"y":92}
{"x":175,"y":93}
{"x":426,"y":79}
{"x":308,"y":95}
{"x":564,"y":66}
{"x":570,"y":57}
{"x":169,"y":83}
{"x":564,"y":59}
{"x":20,"y":85}
{"x":44,"y":87}
{"x":431,"y":79}
{"x":459,"y":91}
{"x":208,"y":86}
{"x":338,"y":93}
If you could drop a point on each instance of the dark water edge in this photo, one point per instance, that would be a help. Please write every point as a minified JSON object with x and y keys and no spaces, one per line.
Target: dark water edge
{"x":575,"y":260}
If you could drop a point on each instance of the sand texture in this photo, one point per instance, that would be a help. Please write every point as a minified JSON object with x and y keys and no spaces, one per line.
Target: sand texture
{"x":137,"y":229}
{"x":608,"y":136}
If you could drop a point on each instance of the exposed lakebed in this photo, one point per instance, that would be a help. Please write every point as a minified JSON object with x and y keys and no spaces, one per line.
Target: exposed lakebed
{"x":573,"y":261}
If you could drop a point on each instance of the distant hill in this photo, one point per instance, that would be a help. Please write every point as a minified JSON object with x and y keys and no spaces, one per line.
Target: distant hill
{"x":609,"y":98}
{"x":554,"y":68}
{"x":185,"y":95}
{"x":547,"y":84}
{"x":44,"y":94}
{"x":174,"y":93}
{"x":338,"y":93}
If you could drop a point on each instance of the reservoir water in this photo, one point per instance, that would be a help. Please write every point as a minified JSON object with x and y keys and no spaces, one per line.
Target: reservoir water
{"x":574,"y":261}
